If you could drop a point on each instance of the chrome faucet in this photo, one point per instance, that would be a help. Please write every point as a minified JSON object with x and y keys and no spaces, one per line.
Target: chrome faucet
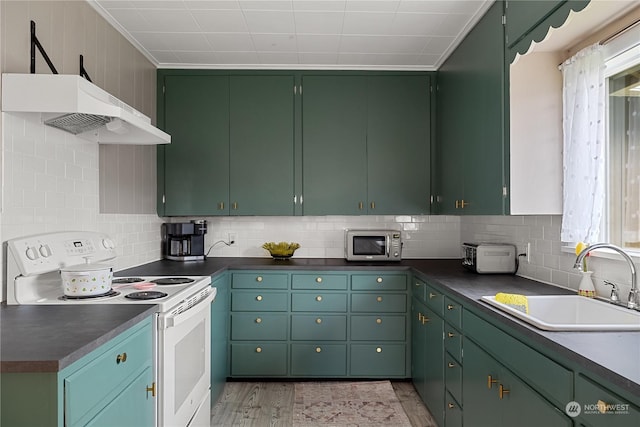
{"x":633,"y":294}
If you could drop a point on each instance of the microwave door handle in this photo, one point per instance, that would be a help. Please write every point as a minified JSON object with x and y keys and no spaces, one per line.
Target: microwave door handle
{"x":388,"y":244}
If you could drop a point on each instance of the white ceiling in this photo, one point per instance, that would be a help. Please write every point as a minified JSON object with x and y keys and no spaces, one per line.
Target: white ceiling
{"x":294,"y":34}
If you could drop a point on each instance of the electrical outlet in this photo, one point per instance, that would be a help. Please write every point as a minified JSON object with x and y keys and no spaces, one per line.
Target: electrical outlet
{"x":232,"y":238}
{"x":528,"y":252}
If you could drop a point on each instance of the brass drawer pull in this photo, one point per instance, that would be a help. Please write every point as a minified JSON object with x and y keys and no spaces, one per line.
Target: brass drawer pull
{"x":221,"y":206}
{"x":379,"y":280}
{"x":318,"y":320}
{"x":379,"y":299}
{"x":258,"y":320}
{"x":259,"y":279}
{"x":379,"y":321}
{"x":378,"y":350}
{"x":318,"y":349}
{"x":152,"y":389}
{"x":234,"y":205}
{"x":451,"y":365}
{"x":419,"y":317}
{"x":450,"y":306}
{"x":360,"y":205}
{"x":490,"y":381}
{"x":259,"y":298}
{"x":451,"y":334}
{"x":502,"y":391}
{"x":373,"y":205}
{"x":319,"y":298}
{"x":258,"y":349}
{"x":450,"y":405}
{"x":121,"y":358}
{"x":425,"y":319}
{"x":432,"y":295}
{"x":318,"y":279}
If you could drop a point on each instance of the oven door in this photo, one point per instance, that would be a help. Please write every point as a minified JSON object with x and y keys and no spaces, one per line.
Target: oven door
{"x":184,"y":365}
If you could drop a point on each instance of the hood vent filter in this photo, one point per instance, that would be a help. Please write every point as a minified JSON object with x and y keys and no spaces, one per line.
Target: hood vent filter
{"x":76,"y":123}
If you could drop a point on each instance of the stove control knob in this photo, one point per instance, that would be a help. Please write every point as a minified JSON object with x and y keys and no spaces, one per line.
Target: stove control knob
{"x":108,"y":243}
{"x":45,"y":251}
{"x":31,"y":253}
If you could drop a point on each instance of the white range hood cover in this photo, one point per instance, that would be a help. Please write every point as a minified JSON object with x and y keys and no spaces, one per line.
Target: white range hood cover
{"x":75,"y":105}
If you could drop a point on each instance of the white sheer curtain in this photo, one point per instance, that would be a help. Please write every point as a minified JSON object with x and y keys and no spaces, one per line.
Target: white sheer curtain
{"x":631,"y":232}
{"x":584,"y":143}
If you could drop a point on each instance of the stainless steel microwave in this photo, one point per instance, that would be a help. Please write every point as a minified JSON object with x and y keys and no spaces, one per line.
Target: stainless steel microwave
{"x":372,"y":245}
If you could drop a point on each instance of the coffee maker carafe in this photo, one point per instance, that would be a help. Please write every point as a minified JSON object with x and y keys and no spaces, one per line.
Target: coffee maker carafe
{"x":184,"y":241}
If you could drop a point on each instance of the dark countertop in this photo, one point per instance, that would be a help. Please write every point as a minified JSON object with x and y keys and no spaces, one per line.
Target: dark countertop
{"x":614,"y":356}
{"x":48,"y":338}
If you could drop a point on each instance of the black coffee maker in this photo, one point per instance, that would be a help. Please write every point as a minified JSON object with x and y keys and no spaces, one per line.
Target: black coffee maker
{"x":184,"y":241}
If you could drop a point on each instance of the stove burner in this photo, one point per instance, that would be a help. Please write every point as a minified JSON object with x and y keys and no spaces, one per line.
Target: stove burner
{"x":108,"y":294}
{"x":173,"y":281}
{"x":146,"y":295}
{"x":126,"y":280}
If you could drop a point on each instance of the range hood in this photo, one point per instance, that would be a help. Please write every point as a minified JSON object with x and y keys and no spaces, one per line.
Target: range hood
{"x":75,"y":105}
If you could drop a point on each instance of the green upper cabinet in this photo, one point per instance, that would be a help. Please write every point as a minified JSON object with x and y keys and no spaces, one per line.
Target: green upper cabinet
{"x":261,"y":145}
{"x":398,"y":148}
{"x":193,"y":171}
{"x":471,"y":147}
{"x":334,"y":141}
{"x":366,"y":144}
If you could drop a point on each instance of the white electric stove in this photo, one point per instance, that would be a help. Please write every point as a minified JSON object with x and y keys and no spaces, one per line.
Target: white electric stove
{"x":182,"y":335}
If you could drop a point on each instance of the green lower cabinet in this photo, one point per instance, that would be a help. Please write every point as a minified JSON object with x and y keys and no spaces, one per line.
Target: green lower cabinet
{"x":376,"y":360}
{"x":493,"y":396}
{"x":259,"y":359}
{"x":219,"y":336}
{"x":259,"y":326}
{"x":319,"y":360}
{"x":371,"y":328}
{"x":453,"y":413}
{"x":319,"y":327}
{"x":600,"y":407}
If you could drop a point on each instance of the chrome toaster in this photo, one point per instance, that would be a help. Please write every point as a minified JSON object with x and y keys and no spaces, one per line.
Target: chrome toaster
{"x":489,"y":258}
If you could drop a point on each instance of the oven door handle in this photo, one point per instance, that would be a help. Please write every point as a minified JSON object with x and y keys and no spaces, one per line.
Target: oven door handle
{"x":191,"y":312}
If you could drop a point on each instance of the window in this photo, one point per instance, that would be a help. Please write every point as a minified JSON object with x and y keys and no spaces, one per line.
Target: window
{"x":623,"y":149}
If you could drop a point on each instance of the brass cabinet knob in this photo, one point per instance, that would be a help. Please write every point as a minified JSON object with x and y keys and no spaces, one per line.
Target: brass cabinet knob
{"x":259,"y":279}
{"x":450,"y":306}
{"x":318,"y":349}
{"x":319,"y":298}
{"x":259,"y":350}
{"x":318,"y":279}
{"x":432,"y":295}
{"x":259,"y":298}
{"x":379,"y":321}
{"x":258,"y":320}
{"x":379,"y":299}
{"x":502,"y":391}
{"x":450,"y":405}
{"x":379,"y":280}
{"x":491,"y":381}
{"x":121,"y":358}
{"x":451,"y":334}
{"x":318,"y":320}
{"x":451,"y":365}
{"x":378,"y":350}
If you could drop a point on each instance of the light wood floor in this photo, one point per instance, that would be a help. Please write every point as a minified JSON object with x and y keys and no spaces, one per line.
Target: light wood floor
{"x":262,"y":404}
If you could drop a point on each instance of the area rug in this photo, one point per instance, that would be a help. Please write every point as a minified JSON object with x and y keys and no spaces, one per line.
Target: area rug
{"x":347,"y":404}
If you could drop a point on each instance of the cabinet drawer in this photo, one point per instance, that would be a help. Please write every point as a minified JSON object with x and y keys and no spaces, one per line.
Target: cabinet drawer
{"x":378,"y":328}
{"x":419,"y":289}
{"x":259,"y":359}
{"x":379,"y":303}
{"x":453,"y":313}
{"x":602,"y":408}
{"x":259,"y":326}
{"x":318,"y":328}
{"x":87,"y":389}
{"x":382,"y":282}
{"x":319,"y":360}
{"x":319,"y":302}
{"x":259,"y":281}
{"x":319,"y":281}
{"x":540,"y":372}
{"x":259,"y":301}
{"x":435,"y":300}
{"x":453,"y":342}
{"x":381,"y":360}
{"x":453,"y":412}
{"x":453,"y":376}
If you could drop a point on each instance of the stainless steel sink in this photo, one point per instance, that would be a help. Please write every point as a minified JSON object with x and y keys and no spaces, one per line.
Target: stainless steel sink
{"x":572,"y":313}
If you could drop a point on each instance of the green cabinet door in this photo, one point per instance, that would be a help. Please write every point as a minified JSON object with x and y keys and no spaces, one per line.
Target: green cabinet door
{"x":193,"y":171}
{"x":261,"y":145}
{"x":418,"y":348}
{"x":334,"y":161}
{"x":398,"y":144}
{"x":523,"y":15}
{"x":480,"y":377}
{"x":471,"y":122}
